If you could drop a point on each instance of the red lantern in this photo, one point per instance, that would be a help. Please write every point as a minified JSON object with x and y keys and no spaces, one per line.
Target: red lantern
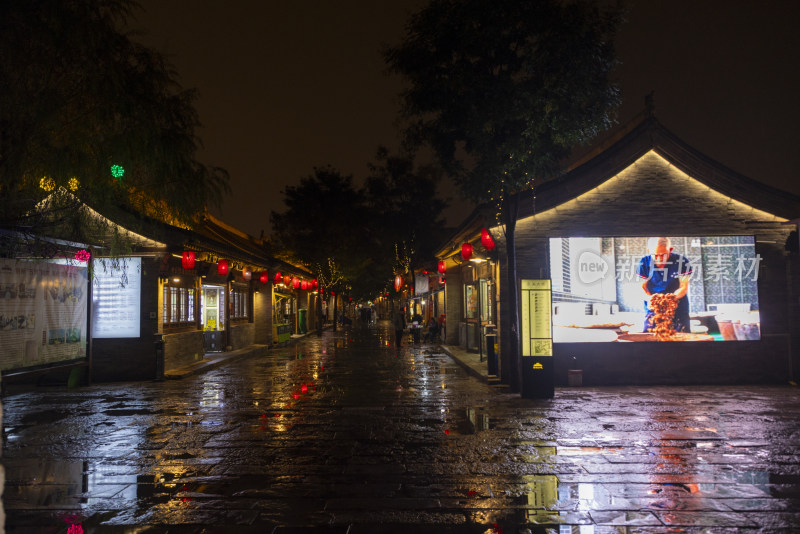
{"x":441,"y":280}
{"x":287,"y":280}
{"x":398,"y":282}
{"x":223,"y":267}
{"x":442,"y":266}
{"x":295,"y":283}
{"x":247,"y":274}
{"x":278,"y":277}
{"x":466,"y":251}
{"x":304,"y":285}
{"x":187,"y":261}
{"x":264,"y":278}
{"x":314,"y":283}
{"x":486,"y":239}
{"x":83,"y":255}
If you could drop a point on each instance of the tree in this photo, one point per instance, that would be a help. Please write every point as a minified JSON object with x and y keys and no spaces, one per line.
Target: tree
{"x":502,"y":92}
{"x":349,"y":236}
{"x":325,"y":227}
{"x":87,"y":115}
{"x":410,"y":210}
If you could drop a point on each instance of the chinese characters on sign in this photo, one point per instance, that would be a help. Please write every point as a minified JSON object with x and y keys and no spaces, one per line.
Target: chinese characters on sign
{"x":716,"y":268}
{"x":537,"y":331}
{"x":116,"y":298}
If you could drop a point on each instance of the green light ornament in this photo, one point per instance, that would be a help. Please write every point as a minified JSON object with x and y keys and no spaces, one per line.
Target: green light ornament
{"x":117,"y":171}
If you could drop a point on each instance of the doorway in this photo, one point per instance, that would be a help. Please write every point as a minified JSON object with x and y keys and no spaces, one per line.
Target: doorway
{"x":212,"y":316}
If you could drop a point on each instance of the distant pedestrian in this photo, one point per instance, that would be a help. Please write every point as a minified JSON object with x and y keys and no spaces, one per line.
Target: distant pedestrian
{"x":432,"y":331}
{"x":399,"y":323}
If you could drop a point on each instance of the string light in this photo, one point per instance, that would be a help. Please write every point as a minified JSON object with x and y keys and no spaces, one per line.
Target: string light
{"x":47,"y":183}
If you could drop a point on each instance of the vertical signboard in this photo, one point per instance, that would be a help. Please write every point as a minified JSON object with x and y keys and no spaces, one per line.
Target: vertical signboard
{"x":42,"y":312}
{"x":116,"y":298}
{"x":537,"y":339}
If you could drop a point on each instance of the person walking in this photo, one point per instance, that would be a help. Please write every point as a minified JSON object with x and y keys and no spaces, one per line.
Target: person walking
{"x":399,"y":322}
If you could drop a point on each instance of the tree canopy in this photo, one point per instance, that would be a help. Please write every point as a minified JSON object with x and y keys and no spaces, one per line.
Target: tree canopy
{"x":502,"y":92}
{"x":352,"y":234}
{"x":85,"y":109}
{"x":325,"y":221}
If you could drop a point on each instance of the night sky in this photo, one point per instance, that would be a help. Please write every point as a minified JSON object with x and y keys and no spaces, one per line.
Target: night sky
{"x":287,"y":86}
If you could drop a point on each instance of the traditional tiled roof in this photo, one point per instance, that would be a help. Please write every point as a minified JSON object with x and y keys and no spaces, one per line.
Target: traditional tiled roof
{"x":626,"y":145}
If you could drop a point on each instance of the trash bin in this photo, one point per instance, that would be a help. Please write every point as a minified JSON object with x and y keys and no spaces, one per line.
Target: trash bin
{"x":159,"y":348}
{"x":302,"y":324}
{"x":491,"y":355}
{"x":575,"y":377}
{"x":415,"y":330}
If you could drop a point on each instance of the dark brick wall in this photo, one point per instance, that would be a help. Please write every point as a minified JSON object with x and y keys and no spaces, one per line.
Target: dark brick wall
{"x":241,"y":336}
{"x":182,"y":349}
{"x":262,"y":315}
{"x":651,"y":198}
{"x":454,"y":304}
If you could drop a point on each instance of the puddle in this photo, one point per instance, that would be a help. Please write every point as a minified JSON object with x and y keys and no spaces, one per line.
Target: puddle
{"x":469,"y":421}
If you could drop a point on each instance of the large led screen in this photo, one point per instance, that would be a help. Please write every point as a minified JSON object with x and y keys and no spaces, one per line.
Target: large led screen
{"x":626,"y":289}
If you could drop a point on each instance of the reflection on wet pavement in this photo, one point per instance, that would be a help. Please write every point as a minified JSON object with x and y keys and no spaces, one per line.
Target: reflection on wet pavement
{"x":345,"y":433}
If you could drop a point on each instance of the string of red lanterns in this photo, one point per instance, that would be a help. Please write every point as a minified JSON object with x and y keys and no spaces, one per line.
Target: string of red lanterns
{"x":188,"y":261}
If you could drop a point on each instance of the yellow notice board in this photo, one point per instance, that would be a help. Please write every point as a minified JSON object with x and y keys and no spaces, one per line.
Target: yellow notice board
{"x":537,"y":328}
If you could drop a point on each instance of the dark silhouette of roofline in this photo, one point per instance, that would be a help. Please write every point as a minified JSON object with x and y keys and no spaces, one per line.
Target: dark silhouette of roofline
{"x":625,"y":146}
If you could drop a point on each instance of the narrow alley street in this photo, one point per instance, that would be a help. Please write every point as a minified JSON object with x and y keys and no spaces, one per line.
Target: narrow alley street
{"x":344,"y":433}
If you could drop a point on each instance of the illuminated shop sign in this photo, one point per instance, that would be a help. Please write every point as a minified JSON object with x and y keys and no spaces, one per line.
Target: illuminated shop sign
{"x":116,"y":297}
{"x":654,"y":289}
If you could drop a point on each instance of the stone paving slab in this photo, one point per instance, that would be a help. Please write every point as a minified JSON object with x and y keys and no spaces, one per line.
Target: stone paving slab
{"x":345,"y":433}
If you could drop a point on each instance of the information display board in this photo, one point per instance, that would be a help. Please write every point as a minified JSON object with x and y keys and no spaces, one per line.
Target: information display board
{"x":116,"y":298}
{"x":537,"y":330}
{"x":43,"y":310}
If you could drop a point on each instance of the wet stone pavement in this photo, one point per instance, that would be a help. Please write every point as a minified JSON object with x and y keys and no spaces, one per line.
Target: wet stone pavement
{"x":344,"y":433}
